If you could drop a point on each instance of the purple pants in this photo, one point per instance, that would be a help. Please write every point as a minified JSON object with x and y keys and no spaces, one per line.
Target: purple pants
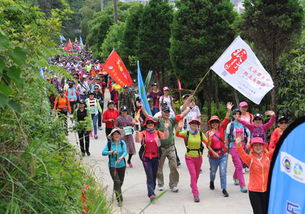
{"x":238,"y":173}
{"x":193,"y":165}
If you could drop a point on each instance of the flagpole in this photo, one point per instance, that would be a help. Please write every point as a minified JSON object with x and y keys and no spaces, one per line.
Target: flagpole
{"x":197,"y":87}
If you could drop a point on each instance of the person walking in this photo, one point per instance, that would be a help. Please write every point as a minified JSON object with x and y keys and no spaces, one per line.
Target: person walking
{"x":218,"y":156}
{"x":155,"y":93}
{"x":62,"y":105}
{"x":149,"y":152}
{"x":72,"y":95}
{"x":116,"y":150}
{"x":109,"y":116}
{"x":84,"y":125}
{"x":126,"y":99}
{"x":99,"y":96}
{"x":166,"y":98}
{"x":94,"y":108}
{"x":259,"y":164}
{"x":282,"y":123}
{"x":194,"y":112}
{"x":234,"y":130}
{"x":245,"y":115}
{"x":193,"y":140}
{"x":125,"y":122}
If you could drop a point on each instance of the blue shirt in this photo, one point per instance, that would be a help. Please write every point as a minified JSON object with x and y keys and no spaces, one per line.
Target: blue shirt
{"x":122,"y":151}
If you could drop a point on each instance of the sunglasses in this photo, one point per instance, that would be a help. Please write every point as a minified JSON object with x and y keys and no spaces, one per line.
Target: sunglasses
{"x":150,"y":122}
{"x":214,"y":121}
{"x":283,"y":122}
{"x":96,"y":89}
{"x":258,"y":119}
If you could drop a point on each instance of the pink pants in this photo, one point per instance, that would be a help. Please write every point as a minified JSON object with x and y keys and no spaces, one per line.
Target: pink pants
{"x":238,"y":173}
{"x":194,"y":165}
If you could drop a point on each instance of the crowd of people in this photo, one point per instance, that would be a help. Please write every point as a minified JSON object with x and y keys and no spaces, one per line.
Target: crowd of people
{"x":241,"y":134}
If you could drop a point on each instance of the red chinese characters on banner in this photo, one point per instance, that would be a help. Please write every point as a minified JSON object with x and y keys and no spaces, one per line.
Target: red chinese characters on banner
{"x":256,"y":77}
{"x":238,"y":57}
{"x":116,"y":68}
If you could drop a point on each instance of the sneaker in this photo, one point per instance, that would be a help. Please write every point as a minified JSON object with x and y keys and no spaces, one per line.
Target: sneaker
{"x":243,"y":189}
{"x":236,"y":181}
{"x":100,"y":128}
{"x":196,"y":198}
{"x":174,"y":189}
{"x":225,"y":193}
{"x":161,"y":188}
{"x":152,"y":198}
{"x":212,"y":187}
{"x":88,"y":153}
{"x":130,"y":165}
{"x":95,"y":136}
{"x":91,"y":134}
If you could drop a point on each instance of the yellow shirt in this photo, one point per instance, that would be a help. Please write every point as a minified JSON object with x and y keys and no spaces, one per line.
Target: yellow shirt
{"x":194,"y":142}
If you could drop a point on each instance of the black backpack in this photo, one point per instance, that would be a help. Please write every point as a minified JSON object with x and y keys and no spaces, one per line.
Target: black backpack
{"x":186,"y":143}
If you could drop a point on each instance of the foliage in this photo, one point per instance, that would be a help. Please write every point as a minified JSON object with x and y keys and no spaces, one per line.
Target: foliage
{"x":154,"y":36}
{"x":100,"y":24}
{"x":292,"y":81}
{"x":113,"y":40}
{"x":273,"y":26}
{"x":130,"y":37}
{"x":201,"y":31}
{"x":39,"y":172}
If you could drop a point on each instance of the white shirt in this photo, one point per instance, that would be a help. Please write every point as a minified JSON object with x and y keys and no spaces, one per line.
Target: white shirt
{"x":194,"y":112}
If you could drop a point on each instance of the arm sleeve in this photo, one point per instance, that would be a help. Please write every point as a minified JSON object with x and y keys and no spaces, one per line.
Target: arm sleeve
{"x":244,"y":156}
{"x":273,"y":139}
{"x":124,"y":149}
{"x":99,"y":107}
{"x":105,"y":150}
{"x":268,"y":125}
{"x":248,"y":125}
{"x":55,"y":103}
{"x":105,"y":117}
{"x":224,"y":123}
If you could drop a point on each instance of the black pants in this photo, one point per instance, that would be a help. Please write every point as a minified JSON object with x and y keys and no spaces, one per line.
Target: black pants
{"x":177,"y":157}
{"x":117,"y":175}
{"x":99,"y":120}
{"x":73,"y":105}
{"x":259,"y":202}
{"x":151,"y":168}
{"x":108,"y":130}
{"x":84,"y":135}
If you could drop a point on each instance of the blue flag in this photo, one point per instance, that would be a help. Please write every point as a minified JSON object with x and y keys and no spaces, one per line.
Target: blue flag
{"x":287,"y":172}
{"x":142,"y":91}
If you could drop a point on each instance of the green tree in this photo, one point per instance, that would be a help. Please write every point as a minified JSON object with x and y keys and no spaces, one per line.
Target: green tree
{"x":273,"y":27}
{"x":154,"y":36}
{"x":113,"y":40}
{"x":201,"y":31}
{"x":130,"y":37}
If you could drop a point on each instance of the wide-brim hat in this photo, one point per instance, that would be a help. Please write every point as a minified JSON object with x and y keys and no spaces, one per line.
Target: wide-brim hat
{"x":257,"y":140}
{"x":195,"y":119}
{"x":214,"y":117}
{"x":121,"y":131}
{"x":150,"y":118}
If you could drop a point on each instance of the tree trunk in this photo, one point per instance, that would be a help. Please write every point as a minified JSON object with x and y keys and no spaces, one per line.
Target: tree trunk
{"x":235,"y":97}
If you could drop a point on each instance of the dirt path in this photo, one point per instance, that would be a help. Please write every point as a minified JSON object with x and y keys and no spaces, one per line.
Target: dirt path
{"x":135,"y":193}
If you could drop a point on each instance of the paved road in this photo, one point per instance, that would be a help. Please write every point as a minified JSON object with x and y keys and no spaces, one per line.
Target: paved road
{"x":135,"y":193}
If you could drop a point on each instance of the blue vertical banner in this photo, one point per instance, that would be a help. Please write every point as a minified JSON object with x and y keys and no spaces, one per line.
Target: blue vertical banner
{"x":287,"y":172}
{"x":142,"y":91}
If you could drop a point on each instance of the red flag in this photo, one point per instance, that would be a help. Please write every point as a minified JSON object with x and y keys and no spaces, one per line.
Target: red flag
{"x":115,"y":67}
{"x":179,"y":84}
{"x":69,"y":46}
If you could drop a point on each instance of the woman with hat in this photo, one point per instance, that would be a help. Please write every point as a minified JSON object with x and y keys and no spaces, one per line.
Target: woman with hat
{"x":218,"y":155}
{"x":259,"y":164}
{"x":116,"y":150}
{"x":245,"y":115}
{"x":124,"y":121}
{"x":194,"y":148}
{"x":282,"y":123}
{"x":109,"y":116}
{"x":94,"y":108}
{"x":234,"y":130}
{"x":258,"y":128}
{"x":166,"y":98}
{"x":149,"y":152}
{"x":84,"y":125}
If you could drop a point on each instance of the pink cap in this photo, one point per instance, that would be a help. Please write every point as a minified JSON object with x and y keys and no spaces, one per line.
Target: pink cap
{"x":243,"y":104}
{"x":165,"y":88}
{"x":257,"y":140}
{"x":194,"y":119}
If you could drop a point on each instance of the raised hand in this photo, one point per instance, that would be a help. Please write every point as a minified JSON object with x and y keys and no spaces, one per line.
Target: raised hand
{"x":269,"y":113}
{"x":229,"y":106}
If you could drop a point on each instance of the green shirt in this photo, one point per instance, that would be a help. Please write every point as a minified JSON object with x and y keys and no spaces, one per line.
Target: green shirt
{"x":170,"y":140}
{"x":194,"y":142}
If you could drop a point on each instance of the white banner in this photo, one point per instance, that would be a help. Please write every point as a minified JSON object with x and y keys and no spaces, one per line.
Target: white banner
{"x":239,"y":67}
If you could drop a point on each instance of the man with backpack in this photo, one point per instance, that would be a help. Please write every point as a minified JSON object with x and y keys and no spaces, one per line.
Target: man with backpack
{"x":236,"y":129}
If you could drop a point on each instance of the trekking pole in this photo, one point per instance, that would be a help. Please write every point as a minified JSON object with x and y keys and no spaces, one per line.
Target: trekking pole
{"x":197,"y":87}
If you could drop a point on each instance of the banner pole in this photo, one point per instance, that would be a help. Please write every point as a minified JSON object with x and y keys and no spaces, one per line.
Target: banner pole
{"x":197,"y":87}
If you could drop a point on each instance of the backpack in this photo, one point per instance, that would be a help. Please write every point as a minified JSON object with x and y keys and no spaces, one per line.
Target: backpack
{"x":231,"y":137}
{"x":109,"y":149}
{"x":186,"y":143}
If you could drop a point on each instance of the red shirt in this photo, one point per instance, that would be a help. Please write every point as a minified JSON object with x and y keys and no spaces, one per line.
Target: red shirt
{"x":275,"y":136}
{"x":110,"y":114}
